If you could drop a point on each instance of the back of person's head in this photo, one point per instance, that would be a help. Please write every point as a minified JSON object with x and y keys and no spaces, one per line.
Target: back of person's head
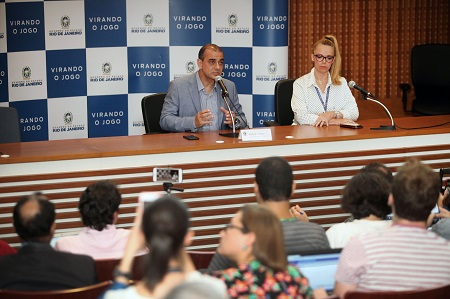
{"x":415,"y":190}
{"x":197,"y":290}
{"x":98,"y":203}
{"x":381,"y":169}
{"x":33,"y":218}
{"x":274,"y":178}
{"x":213,"y":47}
{"x":366,"y":194}
{"x":335,"y":70}
{"x":165,"y":224}
{"x":269,"y":244}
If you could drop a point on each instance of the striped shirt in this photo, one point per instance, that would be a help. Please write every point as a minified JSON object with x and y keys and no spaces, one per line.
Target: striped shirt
{"x":399,"y":258}
{"x":307,"y":105}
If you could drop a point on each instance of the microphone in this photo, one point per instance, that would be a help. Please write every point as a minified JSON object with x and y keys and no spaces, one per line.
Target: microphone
{"x":224,"y":89}
{"x":365,"y":93}
{"x":370,"y":97}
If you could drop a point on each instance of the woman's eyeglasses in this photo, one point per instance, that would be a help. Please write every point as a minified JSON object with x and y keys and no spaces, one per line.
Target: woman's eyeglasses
{"x":320,"y":57}
{"x":242,"y":229}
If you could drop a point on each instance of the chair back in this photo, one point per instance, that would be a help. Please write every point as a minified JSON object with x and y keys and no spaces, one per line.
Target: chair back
{"x":430,"y":64}
{"x":88,"y":292}
{"x":283,"y":95}
{"x":201,"y":259}
{"x":9,"y":125}
{"x":433,"y":293}
{"x":105,"y":268}
{"x":151,"y":111}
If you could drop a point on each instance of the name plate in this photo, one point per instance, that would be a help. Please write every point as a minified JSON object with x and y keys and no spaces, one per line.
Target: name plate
{"x":256,"y":135}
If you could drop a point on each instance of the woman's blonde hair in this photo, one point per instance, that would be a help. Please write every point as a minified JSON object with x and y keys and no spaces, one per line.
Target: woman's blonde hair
{"x":269,"y":244}
{"x":335,"y":70}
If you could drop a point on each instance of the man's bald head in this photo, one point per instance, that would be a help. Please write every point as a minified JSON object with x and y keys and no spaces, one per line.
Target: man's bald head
{"x":34,"y":216}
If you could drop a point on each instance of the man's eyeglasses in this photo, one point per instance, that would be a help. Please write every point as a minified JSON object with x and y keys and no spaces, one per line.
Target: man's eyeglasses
{"x":320,"y":57}
{"x":244,"y":230}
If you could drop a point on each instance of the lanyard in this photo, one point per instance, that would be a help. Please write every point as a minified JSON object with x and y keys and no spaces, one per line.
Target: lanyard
{"x":320,"y":97}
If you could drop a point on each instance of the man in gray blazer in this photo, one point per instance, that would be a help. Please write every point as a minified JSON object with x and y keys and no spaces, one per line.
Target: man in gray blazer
{"x":194,"y":102}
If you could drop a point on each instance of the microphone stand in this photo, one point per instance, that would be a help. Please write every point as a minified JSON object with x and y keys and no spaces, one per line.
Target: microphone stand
{"x":372,"y":98}
{"x":233,"y":134}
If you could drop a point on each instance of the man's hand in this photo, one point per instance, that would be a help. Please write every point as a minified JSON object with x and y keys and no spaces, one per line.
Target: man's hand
{"x":298,"y":213}
{"x":227,"y":116}
{"x":203,"y":118}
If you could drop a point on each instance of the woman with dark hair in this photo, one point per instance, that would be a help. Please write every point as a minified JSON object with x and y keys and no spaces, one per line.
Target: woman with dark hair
{"x":254,"y":241}
{"x":366,"y":197}
{"x":99,"y":210}
{"x":164,"y":229}
{"x":322,"y":97}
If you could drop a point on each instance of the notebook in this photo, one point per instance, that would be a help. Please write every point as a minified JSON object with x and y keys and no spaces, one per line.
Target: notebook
{"x":318,"y":266}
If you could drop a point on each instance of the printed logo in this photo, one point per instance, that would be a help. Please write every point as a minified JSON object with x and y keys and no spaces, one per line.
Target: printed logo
{"x":68,"y":118}
{"x":65,"y":22}
{"x":148,"y":19}
{"x":232,"y":20}
{"x":106,"y":68}
{"x":190,"y":66}
{"x":272,"y":68}
{"x":26,"y":73}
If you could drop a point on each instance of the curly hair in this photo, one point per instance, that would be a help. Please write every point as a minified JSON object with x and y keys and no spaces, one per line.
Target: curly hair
{"x":98,"y":203}
{"x":366,"y":194}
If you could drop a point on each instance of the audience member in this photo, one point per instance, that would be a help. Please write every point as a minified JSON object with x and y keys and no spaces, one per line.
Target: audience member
{"x":164,"y":228}
{"x":194,"y":102}
{"x":274,"y":185}
{"x":442,"y":227}
{"x":5,"y":249}
{"x":405,"y":256}
{"x":322,"y":97}
{"x":379,"y":168}
{"x":99,"y":209}
{"x":37,"y":266}
{"x":366,"y":197}
{"x":254,"y":241}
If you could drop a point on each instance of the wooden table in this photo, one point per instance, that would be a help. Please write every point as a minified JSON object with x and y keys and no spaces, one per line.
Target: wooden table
{"x":218,"y":177}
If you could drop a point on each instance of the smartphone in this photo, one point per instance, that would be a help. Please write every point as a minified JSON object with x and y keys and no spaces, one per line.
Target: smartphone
{"x":435,"y":210}
{"x":173,"y":175}
{"x":351,"y":126}
{"x":145,"y":198}
{"x":191,"y":137}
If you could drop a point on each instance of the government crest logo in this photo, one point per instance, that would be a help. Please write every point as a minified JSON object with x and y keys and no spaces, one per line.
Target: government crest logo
{"x":65,"y":22}
{"x":233,"y":20}
{"x":68,"y":118}
{"x":106,"y":68}
{"x":272,"y":68}
{"x":190,"y":66}
{"x":148,"y":19}
{"x":26,"y":73}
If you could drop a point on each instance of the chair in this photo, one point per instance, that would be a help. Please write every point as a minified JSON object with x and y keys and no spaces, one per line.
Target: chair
{"x":151,"y":111}
{"x":283,"y":94}
{"x":430,"y":64}
{"x":88,"y":292}
{"x":9,"y":125}
{"x":105,"y":268}
{"x":201,"y":259}
{"x":434,"y":293}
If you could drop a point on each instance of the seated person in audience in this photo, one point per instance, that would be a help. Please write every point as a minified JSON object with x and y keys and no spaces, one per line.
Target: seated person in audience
{"x":5,"y":249}
{"x":366,"y":197}
{"x":254,"y":241}
{"x":442,"y":227}
{"x":405,"y":256}
{"x":322,"y":97}
{"x":99,"y":209}
{"x":194,"y":102}
{"x":274,"y":185}
{"x":163,"y":226}
{"x":37,"y":266}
